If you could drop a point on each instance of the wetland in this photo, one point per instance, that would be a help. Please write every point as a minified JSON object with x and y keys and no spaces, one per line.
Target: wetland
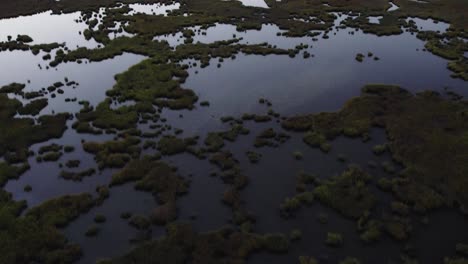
{"x":224,"y":131}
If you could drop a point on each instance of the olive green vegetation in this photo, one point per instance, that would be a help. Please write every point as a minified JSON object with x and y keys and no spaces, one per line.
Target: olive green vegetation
{"x":360,"y":57}
{"x":158,"y":178}
{"x":170,"y":145}
{"x":303,"y":180}
{"x":99,"y":218}
{"x":296,"y":234}
{"x":24,"y":38}
{"x":307,"y":260}
{"x":182,"y":244}
{"x":69,"y":149}
{"x":23,"y":46}
{"x":334,"y":239}
{"x":104,"y":117}
{"x":149,"y":84}
{"x":379,"y":149}
{"x":9,"y":172}
{"x":92,"y":231}
{"x":298,"y":155}
{"x":16,"y":88}
{"x":269,"y":137}
{"x":77,"y":176}
{"x":139,"y":222}
{"x":34,"y":237}
{"x":72,"y":163}
{"x":347,"y":193}
{"x":290,"y":205}
{"x":370,"y":230}
{"x":49,"y":156}
{"x":23,"y":132}
{"x":27,"y":188}
{"x":156,"y":83}
{"x":433,"y":168}
{"x":49,"y":148}
{"x":296,"y":17}
{"x":114,"y":154}
{"x":233,"y":176}
{"x":315,"y":139}
{"x":253,"y":157}
{"x":214,"y":141}
{"x":449,"y":46}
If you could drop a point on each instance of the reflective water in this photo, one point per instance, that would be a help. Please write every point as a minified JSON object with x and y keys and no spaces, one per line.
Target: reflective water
{"x":429,"y":24}
{"x":375,"y":19}
{"x":47,"y":28}
{"x":153,"y":9}
{"x":392,"y":7}
{"x":255,"y":3}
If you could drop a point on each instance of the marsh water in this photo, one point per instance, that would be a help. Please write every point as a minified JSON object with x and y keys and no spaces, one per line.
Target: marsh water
{"x":323,"y":82}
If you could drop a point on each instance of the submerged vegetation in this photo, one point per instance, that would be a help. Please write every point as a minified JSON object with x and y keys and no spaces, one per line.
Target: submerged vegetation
{"x":183,"y":244}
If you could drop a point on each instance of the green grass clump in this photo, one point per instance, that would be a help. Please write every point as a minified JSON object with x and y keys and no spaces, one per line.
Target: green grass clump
{"x":290,"y":205}
{"x":429,"y":182}
{"x":50,"y":148}
{"x":398,"y":229}
{"x":9,"y":172}
{"x":371,"y":230}
{"x":298,"y":155}
{"x":16,"y":88}
{"x":125,"y":215}
{"x":164,"y":213}
{"x":315,"y":139}
{"x":205,"y":103}
{"x":296,"y":234}
{"x":399,"y":208}
{"x":224,"y":160}
{"x":307,"y":260}
{"x":92,"y":231}
{"x":214,"y":141}
{"x":50,"y":156}
{"x":72,"y":163}
{"x":182,"y":243}
{"x":69,"y":149}
{"x":60,"y":211}
{"x":140,"y":222}
{"x":27,"y":188}
{"x":155,"y":83}
{"x":171,"y":145}
{"x":379,"y":149}
{"x":104,"y":117}
{"x":34,"y":236}
{"x":24,"y":38}
{"x":77,"y":176}
{"x":360,"y":57}
{"x":114,"y":154}
{"x":153,"y":176}
{"x":334,"y":239}
{"x":347,"y":193}
{"x":253,"y":157}
{"x":23,"y":132}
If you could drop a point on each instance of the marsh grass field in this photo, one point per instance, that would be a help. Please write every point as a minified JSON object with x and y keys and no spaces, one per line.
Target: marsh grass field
{"x":222,"y":131}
